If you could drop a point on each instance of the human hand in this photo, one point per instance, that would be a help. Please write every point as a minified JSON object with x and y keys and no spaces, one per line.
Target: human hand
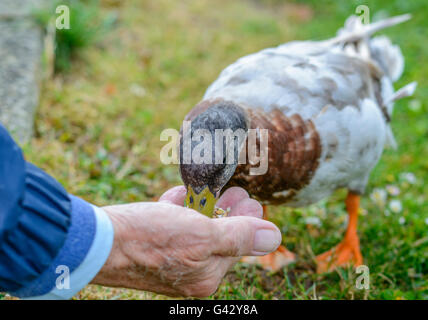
{"x":165,"y":248}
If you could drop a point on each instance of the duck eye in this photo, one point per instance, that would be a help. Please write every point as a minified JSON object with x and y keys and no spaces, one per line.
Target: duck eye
{"x":191,"y":200}
{"x":203,"y":202}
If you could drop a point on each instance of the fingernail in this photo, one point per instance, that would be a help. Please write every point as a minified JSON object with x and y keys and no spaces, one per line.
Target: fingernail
{"x":265,"y":241}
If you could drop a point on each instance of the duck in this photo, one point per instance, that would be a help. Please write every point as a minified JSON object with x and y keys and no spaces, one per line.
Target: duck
{"x":326,"y":107}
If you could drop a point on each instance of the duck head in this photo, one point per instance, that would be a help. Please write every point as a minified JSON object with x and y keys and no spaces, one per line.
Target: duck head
{"x":210,"y":146}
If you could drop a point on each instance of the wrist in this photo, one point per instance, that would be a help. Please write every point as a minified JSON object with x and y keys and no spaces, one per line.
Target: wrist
{"x":110,"y":273}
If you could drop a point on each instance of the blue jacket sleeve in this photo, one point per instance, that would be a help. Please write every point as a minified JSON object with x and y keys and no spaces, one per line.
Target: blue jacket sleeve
{"x":42,"y":227}
{"x":34,"y":217}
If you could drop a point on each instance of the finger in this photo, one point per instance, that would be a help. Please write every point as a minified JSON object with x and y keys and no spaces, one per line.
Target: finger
{"x":244,"y":236}
{"x":175,"y":195}
{"x":247,"y":207}
{"x":231,"y":197}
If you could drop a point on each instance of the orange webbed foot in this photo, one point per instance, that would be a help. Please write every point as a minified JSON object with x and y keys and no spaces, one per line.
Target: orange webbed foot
{"x":348,"y":251}
{"x":345,"y":254}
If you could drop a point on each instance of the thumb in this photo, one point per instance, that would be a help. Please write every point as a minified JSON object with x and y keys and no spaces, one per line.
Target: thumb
{"x":245,"y":236}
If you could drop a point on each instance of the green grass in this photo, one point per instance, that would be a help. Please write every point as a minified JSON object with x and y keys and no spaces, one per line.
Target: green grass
{"x":87,"y":26}
{"x":98,"y":133}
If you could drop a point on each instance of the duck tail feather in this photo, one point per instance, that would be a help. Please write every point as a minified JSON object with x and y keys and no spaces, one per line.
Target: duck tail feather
{"x":354,"y":30}
{"x":403,"y":92}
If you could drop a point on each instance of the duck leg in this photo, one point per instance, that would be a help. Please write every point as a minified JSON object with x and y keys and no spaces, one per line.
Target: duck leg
{"x":275,"y":260}
{"x":348,"y":251}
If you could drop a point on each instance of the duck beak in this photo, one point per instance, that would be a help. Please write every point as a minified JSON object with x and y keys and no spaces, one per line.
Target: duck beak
{"x":204,"y":202}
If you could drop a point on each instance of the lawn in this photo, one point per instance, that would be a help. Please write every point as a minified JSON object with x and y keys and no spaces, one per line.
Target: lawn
{"x":98,"y":127}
